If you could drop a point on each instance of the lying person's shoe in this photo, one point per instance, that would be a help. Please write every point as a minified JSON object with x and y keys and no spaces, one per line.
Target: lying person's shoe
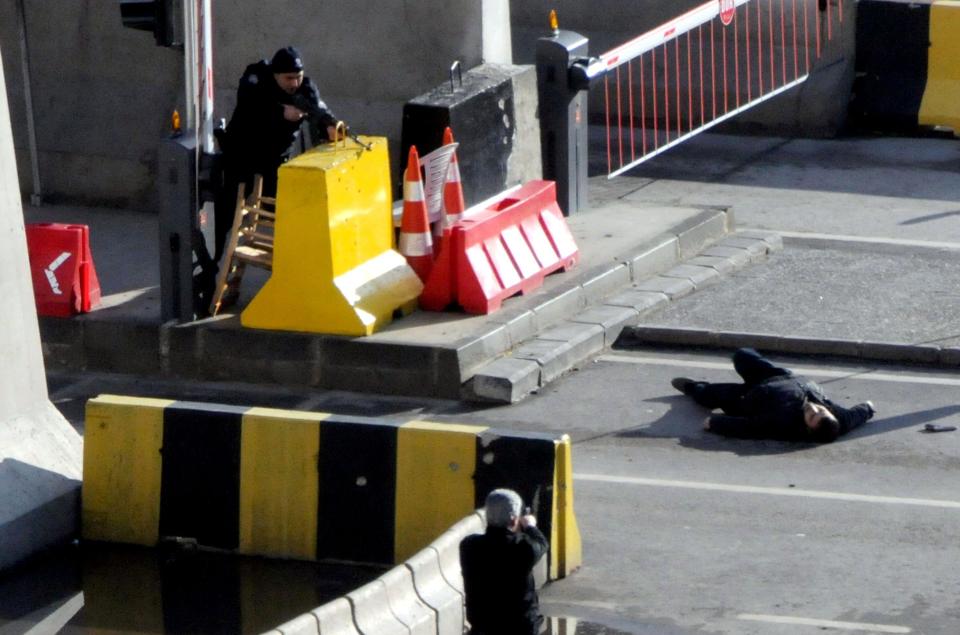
{"x":683,"y":384}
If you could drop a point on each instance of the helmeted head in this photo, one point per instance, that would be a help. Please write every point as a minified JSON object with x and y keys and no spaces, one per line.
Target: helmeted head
{"x":503,"y":508}
{"x":287,"y":67}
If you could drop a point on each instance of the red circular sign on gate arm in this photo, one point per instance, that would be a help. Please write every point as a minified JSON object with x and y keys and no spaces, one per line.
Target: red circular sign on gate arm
{"x":727,"y":9}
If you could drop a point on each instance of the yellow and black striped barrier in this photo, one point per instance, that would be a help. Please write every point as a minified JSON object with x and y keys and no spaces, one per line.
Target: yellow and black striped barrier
{"x":313,"y":486}
{"x":908,"y":64}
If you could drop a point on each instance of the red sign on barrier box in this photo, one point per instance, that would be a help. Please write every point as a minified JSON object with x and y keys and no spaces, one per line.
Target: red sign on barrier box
{"x":61,"y":266}
{"x":727,"y":10}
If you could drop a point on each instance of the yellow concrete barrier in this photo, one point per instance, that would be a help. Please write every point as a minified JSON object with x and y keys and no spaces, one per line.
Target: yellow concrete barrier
{"x":122,"y":467}
{"x":565,"y":546}
{"x":334,"y":267}
{"x":435,"y":467}
{"x":274,"y":482}
{"x":941,"y":98}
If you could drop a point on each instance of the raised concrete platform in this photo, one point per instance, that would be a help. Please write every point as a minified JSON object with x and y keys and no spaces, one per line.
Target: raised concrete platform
{"x":532,"y":340}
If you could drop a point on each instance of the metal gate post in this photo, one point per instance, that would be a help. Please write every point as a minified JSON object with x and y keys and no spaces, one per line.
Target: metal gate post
{"x":187,"y":270}
{"x":178,"y":227}
{"x":563,"y":118}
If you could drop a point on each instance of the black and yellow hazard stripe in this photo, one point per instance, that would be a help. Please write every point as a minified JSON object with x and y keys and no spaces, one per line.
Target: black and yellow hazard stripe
{"x":232,"y":478}
{"x":279,"y":487}
{"x":122,"y":467}
{"x":200,"y":479}
{"x":435,"y":481}
{"x":358,"y":459}
{"x":308,"y":485}
{"x":907,"y":67}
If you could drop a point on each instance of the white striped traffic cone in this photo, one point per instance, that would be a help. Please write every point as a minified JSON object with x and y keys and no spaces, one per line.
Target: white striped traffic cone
{"x":453,"y":204}
{"x":415,"y":243}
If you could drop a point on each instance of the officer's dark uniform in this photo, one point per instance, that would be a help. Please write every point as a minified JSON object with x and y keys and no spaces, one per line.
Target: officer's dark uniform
{"x":258,"y":138}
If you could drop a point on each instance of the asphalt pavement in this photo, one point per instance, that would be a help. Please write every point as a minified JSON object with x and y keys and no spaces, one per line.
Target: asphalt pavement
{"x":871,"y":233}
{"x":686,"y":532}
{"x":835,"y":291}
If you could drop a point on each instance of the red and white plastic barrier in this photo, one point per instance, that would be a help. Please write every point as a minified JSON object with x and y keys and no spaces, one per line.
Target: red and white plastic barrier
{"x":503,"y":247}
{"x":61,"y":266}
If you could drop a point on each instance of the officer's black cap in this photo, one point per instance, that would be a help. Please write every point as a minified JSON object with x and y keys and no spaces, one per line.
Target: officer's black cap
{"x":286,"y":60}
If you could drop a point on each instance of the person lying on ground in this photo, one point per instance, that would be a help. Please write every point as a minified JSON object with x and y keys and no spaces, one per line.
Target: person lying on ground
{"x":772,"y":403}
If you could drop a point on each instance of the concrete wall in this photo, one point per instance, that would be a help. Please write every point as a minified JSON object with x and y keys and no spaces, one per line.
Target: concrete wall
{"x":103,"y":93}
{"x":39,"y":451}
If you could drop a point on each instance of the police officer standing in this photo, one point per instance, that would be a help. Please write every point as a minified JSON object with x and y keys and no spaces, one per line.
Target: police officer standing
{"x":273,"y":99}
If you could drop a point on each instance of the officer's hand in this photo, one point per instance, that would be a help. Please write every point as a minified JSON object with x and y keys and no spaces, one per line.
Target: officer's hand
{"x":528,"y":520}
{"x":292,"y":113}
{"x":706,"y":423}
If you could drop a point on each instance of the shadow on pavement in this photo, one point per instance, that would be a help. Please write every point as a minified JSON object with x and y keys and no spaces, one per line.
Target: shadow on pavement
{"x":684,"y":422}
{"x":930,"y":217}
{"x":906,"y":420}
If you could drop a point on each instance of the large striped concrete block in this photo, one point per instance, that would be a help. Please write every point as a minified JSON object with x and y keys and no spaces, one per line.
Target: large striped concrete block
{"x":311,"y":486}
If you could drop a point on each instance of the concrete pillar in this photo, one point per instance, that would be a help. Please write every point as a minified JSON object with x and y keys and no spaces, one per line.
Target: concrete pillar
{"x":497,"y":44}
{"x":40,"y":453}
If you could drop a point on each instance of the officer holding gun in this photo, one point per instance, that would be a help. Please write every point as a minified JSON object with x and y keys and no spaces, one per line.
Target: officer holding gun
{"x":273,"y":99}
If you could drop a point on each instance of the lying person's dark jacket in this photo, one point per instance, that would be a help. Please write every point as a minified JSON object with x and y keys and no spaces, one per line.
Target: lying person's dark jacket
{"x":773,"y":409}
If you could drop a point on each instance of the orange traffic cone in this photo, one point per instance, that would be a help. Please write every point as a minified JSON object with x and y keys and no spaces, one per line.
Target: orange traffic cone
{"x":453,"y":204}
{"x":415,"y":244}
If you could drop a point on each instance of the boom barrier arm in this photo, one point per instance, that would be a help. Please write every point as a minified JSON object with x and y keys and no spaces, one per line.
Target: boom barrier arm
{"x":704,"y":67}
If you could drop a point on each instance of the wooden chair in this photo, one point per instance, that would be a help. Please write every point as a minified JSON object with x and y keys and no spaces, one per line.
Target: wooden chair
{"x":250,"y":242}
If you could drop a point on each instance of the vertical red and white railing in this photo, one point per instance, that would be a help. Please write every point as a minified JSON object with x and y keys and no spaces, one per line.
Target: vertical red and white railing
{"x":704,"y":67}
{"x":198,"y":71}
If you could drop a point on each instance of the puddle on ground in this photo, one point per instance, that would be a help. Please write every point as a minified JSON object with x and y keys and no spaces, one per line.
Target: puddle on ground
{"x":566,"y":625}
{"x":574,"y":626}
{"x":99,"y":588}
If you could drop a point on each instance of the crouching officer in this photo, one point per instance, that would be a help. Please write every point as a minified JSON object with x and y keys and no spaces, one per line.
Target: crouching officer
{"x":273,"y":99}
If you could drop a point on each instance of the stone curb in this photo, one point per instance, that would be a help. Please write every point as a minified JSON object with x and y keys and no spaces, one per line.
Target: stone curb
{"x":944,"y":357}
{"x":556,"y":351}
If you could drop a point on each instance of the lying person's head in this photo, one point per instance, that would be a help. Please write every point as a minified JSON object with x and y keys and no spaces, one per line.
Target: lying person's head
{"x":821,"y":423}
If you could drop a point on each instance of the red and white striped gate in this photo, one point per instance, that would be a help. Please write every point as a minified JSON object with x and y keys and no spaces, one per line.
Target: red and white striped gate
{"x":704,"y":67}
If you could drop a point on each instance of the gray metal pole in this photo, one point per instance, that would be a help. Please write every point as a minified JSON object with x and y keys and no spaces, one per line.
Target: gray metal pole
{"x":36,"y":197}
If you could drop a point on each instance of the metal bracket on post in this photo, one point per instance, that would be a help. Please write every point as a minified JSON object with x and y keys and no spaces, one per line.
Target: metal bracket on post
{"x":455,"y":67}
